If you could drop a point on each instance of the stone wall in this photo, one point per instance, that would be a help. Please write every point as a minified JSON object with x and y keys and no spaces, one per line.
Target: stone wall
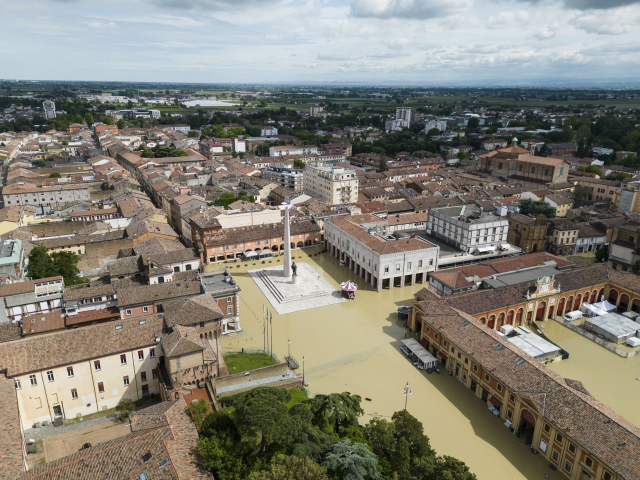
{"x":100,"y":255}
{"x":55,"y":229}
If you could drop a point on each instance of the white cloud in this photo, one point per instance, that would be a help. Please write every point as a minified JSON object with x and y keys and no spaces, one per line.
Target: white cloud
{"x":407,"y":9}
{"x":397,"y":43}
{"x":103,"y":25}
{"x":611,"y":22}
{"x":509,"y":19}
{"x":546,"y":32}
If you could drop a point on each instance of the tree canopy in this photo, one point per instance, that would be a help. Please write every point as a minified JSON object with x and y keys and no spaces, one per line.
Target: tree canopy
{"x":43,"y":264}
{"x":532,"y":207}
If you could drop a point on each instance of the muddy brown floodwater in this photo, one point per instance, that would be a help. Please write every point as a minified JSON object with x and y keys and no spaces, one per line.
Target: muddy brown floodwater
{"x":354,"y":347}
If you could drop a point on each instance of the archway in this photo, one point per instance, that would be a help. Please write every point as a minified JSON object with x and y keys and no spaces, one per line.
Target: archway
{"x":561,"y":308}
{"x":500,"y":321}
{"x":282,"y":247}
{"x":307,"y":243}
{"x":274,"y":248}
{"x":613,"y":296}
{"x":600,"y":295}
{"x":542,"y":308}
{"x":510,"y":317}
{"x":578,"y":303}
{"x":518,"y":321}
{"x":300,"y":245}
{"x":535,"y":248}
{"x":483,"y":320}
{"x":635,"y":305}
{"x":569,"y":303}
{"x":624,"y":302}
{"x":594,"y":297}
{"x":491,"y":322}
{"x":527,"y":423}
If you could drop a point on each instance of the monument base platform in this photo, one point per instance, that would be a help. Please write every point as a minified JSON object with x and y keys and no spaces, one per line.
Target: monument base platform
{"x":287,"y":295}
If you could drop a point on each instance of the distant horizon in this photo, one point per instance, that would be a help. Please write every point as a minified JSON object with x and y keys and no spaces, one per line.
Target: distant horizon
{"x":326,"y":42}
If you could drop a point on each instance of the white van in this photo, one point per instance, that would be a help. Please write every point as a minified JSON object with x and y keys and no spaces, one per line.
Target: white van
{"x":570,"y":316}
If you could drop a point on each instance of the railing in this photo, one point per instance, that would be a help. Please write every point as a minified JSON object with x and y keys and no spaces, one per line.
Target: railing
{"x":292,"y":362}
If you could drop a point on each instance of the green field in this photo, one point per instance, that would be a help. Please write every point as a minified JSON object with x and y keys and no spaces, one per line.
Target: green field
{"x":243,"y":362}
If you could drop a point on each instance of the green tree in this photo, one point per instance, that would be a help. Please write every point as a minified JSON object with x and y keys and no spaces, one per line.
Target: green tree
{"x":409,"y":428}
{"x":450,"y":468}
{"x":89,"y":119}
{"x":38,"y":163}
{"x":43,"y":265}
{"x":199,"y":410}
{"x":602,"y":254}
{"x":193,"y":134}
{"x":284,"y":467}
{"x":148,"y":154}
{"x":635,"y":268}
{"x":106,"y":120}
{"x":55,"y":175}
{"x":433,"y":132}
{"x":264,"y":412}
{"x":382,"y":165}
{"x":352,"y":461}
{"x":591,"y":169}
{"x":531,"y":207}
{"x":297,"y":163}
{"x":336,"y":410}
{"x":125,"y":407}
{"x":474,"y":122}
{"x":122,"y":123}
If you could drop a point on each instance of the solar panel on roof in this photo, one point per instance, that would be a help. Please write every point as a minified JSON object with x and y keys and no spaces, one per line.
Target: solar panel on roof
{"x":465,"y":323}
{"x":520,"y":361}
{"x":499,"y":347}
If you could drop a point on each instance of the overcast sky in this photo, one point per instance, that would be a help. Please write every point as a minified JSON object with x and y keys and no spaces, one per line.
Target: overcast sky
{"x":433,"y":42}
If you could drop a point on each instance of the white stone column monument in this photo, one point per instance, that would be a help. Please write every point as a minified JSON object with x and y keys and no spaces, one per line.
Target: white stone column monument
{"x":286,"y":267}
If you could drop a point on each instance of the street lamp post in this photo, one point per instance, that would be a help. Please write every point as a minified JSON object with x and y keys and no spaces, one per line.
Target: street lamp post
{"x":303,"y":371}
{"x":407,"y":392}
{"x":289,"y":348}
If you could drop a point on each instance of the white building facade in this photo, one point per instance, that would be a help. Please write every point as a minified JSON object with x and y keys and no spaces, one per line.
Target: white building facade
{"x":331,"y":184}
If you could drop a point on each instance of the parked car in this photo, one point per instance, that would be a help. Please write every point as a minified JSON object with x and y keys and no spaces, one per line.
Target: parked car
{"x":85,"y":446}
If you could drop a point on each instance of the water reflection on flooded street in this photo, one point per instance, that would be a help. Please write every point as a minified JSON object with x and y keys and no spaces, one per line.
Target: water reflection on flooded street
{"x":354,"y":347}
{"x":609,"y":377}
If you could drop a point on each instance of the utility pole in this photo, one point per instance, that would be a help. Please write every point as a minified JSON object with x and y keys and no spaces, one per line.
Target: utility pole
{"x":303,"y":371}
{"x":407,"y":392}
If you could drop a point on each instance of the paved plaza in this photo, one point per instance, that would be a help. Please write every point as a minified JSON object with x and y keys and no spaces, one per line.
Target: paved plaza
{"x":310,"y":290}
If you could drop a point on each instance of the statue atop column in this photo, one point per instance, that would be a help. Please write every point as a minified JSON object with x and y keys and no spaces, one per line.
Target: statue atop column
{"x":286,"y":267}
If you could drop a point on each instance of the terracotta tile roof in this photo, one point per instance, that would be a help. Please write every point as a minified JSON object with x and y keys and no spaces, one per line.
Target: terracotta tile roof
{"x":550,"y":161}
{"x":10,"y":331}
{"x":184,"y":340}
{"x":125,"y":266}
{"x":600,"y":431}
{"x":173,"y":440}
{"x":137,"y":229}
{"x":259,"y":232}
{"x":405,"y":218}
{"x":157,"y":245}
{"x":11,"y":457}
{"x":72,"y":346}
{"x":165,"y":258}
{"x":156,"y":293}
{"x":80,"y":239}
{"x":23,"y":287}
{"x":86,"y":291}
{"x":43,"y":322}
{"x":192,"y":310}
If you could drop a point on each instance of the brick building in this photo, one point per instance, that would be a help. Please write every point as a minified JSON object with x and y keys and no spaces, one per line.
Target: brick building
{"x":527,"y":232}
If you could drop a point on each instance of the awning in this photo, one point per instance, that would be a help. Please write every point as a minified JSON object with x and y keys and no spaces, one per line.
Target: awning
{"x":424,"y":343}
{"x":442,"y":355}
{"x":250,"y":254}
{"x":495,"y":401}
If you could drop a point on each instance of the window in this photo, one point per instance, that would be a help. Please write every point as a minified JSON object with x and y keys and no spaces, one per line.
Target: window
{"x":486,"y":377}
{"x":420,"y":264}
{"x":572,"y":448}
{"x":125,"y":380}
{"x":201,"y":324}
{"x":100,"y":387}
{"x":229,"y":310}
{"x":143,"y":376}
{"x":123,"y":359}
{"x":142,"y":476}
{"x":154,"y":373}
{"x":567,"y":466}
{"x":500,"y":166}
{"x":475,"y":368}
{"x":152,"y":352}
{"x":74,"y":394}
{"x":96,"y":365}
{"x":499,"y":387}
{"x":386,"y":269}
{"x":163,"y":462}
{"x":606,"y":476}
{"x":128,"y":312}
{"x":512,"y":397}
{"x":547,"y":427}
{"x":33,"y":380}
{"x":555,"y":455}
{"x":69,"y":371}
{"x":228,"y":299}
{"x":509,"y":413}
{"x":50,"y":375}
{"x":18,"y":386}
{"x":589,"y":462}
{"x":144,"y":310}
{"x":559,"y":438}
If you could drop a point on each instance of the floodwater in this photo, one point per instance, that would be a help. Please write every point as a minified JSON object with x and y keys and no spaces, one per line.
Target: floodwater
{"x":609,"y":377}
{"x":209,"y":103}
{"x":354,"y":346}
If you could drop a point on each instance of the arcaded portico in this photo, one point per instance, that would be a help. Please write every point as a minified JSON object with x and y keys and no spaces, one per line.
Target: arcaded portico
{"x":382,"y":261}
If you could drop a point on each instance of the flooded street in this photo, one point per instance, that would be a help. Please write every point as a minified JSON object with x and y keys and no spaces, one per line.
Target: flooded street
{"x":354,"y":347}
{"x":609,"y":377}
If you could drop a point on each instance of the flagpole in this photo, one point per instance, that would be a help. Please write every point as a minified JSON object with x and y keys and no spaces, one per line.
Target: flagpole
{"x":264,"y":338}
{"x":271,"y":336}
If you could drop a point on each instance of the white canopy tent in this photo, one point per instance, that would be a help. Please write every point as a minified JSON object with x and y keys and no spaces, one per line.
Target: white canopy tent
{"x":419,"y":351}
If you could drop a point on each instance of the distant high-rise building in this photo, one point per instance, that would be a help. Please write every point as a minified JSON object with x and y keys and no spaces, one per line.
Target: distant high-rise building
{"x":49,"y":109}
{"x":403,"y":117}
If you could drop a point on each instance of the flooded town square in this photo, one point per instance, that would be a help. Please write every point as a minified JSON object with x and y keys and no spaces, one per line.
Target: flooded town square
{"x":354,"y":346}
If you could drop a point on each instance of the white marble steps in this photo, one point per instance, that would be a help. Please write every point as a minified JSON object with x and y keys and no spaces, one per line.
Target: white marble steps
{"x":281,"y":298}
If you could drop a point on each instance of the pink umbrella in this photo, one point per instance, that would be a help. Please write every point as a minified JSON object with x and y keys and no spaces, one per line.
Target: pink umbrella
{"x":349,"y":286}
